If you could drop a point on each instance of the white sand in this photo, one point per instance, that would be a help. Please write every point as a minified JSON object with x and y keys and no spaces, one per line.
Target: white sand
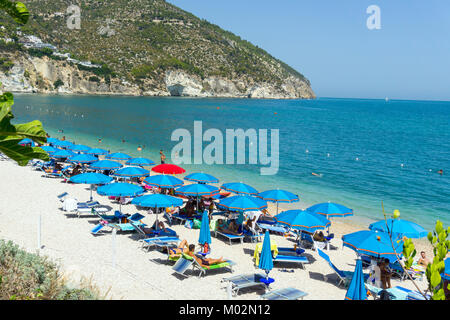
{"x":25,"y":195}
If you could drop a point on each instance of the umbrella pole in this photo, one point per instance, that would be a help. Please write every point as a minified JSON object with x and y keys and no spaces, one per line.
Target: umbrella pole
{"x":91,"y":192}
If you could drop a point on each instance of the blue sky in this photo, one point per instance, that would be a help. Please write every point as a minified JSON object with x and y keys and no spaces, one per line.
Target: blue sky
{"x":328,"y":41}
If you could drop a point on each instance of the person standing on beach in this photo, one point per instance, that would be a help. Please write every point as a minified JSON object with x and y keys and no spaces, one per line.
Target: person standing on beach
{"x":163,"y":157}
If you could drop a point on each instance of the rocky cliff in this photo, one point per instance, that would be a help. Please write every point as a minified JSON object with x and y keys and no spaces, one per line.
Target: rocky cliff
{"x":145,"y":47}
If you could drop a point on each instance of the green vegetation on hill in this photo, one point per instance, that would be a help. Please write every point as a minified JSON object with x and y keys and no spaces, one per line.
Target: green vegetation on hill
{"x":138,"y":39}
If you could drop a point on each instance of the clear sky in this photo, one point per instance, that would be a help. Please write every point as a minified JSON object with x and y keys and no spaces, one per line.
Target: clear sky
{"x":329,"y":42}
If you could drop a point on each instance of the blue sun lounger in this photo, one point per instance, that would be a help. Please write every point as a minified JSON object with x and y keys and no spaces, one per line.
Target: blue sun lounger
{"x":284,"y":294}
{"x":242,"y":281}
{"x":344,"y":277}
{"x":164,"y":241}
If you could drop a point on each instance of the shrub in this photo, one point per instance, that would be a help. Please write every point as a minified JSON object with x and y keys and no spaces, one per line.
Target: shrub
{"x":58,"y":83}
{"x":27,"y":276}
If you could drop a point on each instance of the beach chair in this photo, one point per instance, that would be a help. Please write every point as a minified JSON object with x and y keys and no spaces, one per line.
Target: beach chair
{"x":397,"y":293}
{"x":62,"y":174}
{"x":291,"y":255}
{"x":284,"y":294}
{"x":159,"y":242}
{"x":230,"y":237}
{"x":185,"y":261}
{"x":159,"y":233}
{"x":236,"y":283}
{"x":62,"y":196}
{"x":308,"y":239}
{"x":275,"y":228}
{"x":344,"y":277}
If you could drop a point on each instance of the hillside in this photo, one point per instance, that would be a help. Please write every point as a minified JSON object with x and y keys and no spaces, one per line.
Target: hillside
{"x":145,"y":47}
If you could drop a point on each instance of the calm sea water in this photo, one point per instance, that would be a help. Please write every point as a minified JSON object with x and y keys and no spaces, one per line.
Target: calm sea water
{"x":366,"y":151}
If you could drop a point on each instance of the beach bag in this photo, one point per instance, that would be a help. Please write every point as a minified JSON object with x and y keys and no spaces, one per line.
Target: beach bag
{"x":189,"y":224}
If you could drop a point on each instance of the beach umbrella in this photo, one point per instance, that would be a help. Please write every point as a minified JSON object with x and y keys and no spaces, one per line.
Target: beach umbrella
{"x":91,"y":178}
{"x":52,"y":140}
{"x":201,"y":178}
{"x":163,"y":181}
{"x":331,"y":210}
{"x":357,"y":289}
{"x":132,"y":172}
{"x":373,"y":243}
{"x":197,"y":190}
{"x":97,"y":151}
{"x":205,"y":233}
{"x":446,"y":274}
{"x":120,"y":189}
{"x":302,"y":220}
{"x":278,"y":196}
{"x":49,"y":149}
{"x":242,"y":203}
{"x":157,"y":201}
{"x":140,"y":162}
{"x":79,"y":148}
{"x":63,"y":154}
{"x":168,"y":168}
{"x":105,"y":165}
{"x":399,"y":228}
{"x":118,"y":156}
{"x":63,"y":144}
{"x":266,"y":259}
{"x":27,"y":141}
{"x":83,"y":158}
{"x":240,"y":188}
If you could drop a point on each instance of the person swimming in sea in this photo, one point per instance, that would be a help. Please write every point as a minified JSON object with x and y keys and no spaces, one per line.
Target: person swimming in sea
{"x":441,"y":172}
{"x":139,"y":148}
{"x":100,"y":140}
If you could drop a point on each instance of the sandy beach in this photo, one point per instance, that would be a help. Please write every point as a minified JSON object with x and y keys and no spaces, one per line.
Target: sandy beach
{"x":25,"y":195}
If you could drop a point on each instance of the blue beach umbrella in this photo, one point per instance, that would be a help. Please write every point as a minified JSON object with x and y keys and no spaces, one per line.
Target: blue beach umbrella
{"x":446,"y":274}
{"x":63,"y":144}
{"x":105,"y":165}
{"x":157,"y":201}
{"x":97,"y":151}
{"x":240,"y":188}
{"x":201,"y":178}
{"x":118,"y":156}
{"x":373,"y":243}
{"x":278,"y":196}
{"x":302,"y":220}
{"x":120,"y":189}
{"x":49,"y":149}
{"x":357,"y":289}
{"x":266,"y":259}
{"x":52,"y":140}
{"x":205,"y":233}
{"x":197,"y":189}
{"x":91,"y":178}
{"x":79,"y":148}
{"x":164,"y":181}
{"x":63,"y":154}
{"x":83,"y":158}
{"x":140,"y":162}
{"x":331,"y":210}
{"x":242,"y":203}
{"x":132,"y":172}
{"x":27,"y":141}
{"x":399,"y":228}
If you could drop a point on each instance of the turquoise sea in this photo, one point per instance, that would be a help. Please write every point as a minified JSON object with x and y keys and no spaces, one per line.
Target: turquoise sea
{"x":365,"y":151}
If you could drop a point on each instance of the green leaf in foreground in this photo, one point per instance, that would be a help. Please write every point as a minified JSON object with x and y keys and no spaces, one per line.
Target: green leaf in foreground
{"x":11,"y":135}
{"x":17,"y":10}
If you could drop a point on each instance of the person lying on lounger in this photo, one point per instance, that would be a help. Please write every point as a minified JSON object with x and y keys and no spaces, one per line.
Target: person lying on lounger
{"x":183,"y":247}
{"x":231,"y":228}
{"x":152,"y":230}
{"x":204,"y":262}
{"x":318,"y":236}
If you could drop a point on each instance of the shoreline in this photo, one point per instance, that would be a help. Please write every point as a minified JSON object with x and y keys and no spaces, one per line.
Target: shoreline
{"x":68,"y":241}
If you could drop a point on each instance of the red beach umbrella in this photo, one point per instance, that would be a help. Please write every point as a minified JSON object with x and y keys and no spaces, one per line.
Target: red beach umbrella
{"x":168,"y":168}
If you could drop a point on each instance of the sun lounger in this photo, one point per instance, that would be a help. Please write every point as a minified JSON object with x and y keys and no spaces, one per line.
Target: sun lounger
{"x":186,"y":261}
{"x":284,"y":294}
{"x":397,"y":293}
{"x":159,"y":233}
{"x":273,"y":227}
{"x":62,"y":196}
{"x":62,"y":174}
{"x":308,"y":239}
{"x":230,"y":237}
{"x":344,"y":277}
{"x":161,"y":242}
{"x":242,"y":281}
